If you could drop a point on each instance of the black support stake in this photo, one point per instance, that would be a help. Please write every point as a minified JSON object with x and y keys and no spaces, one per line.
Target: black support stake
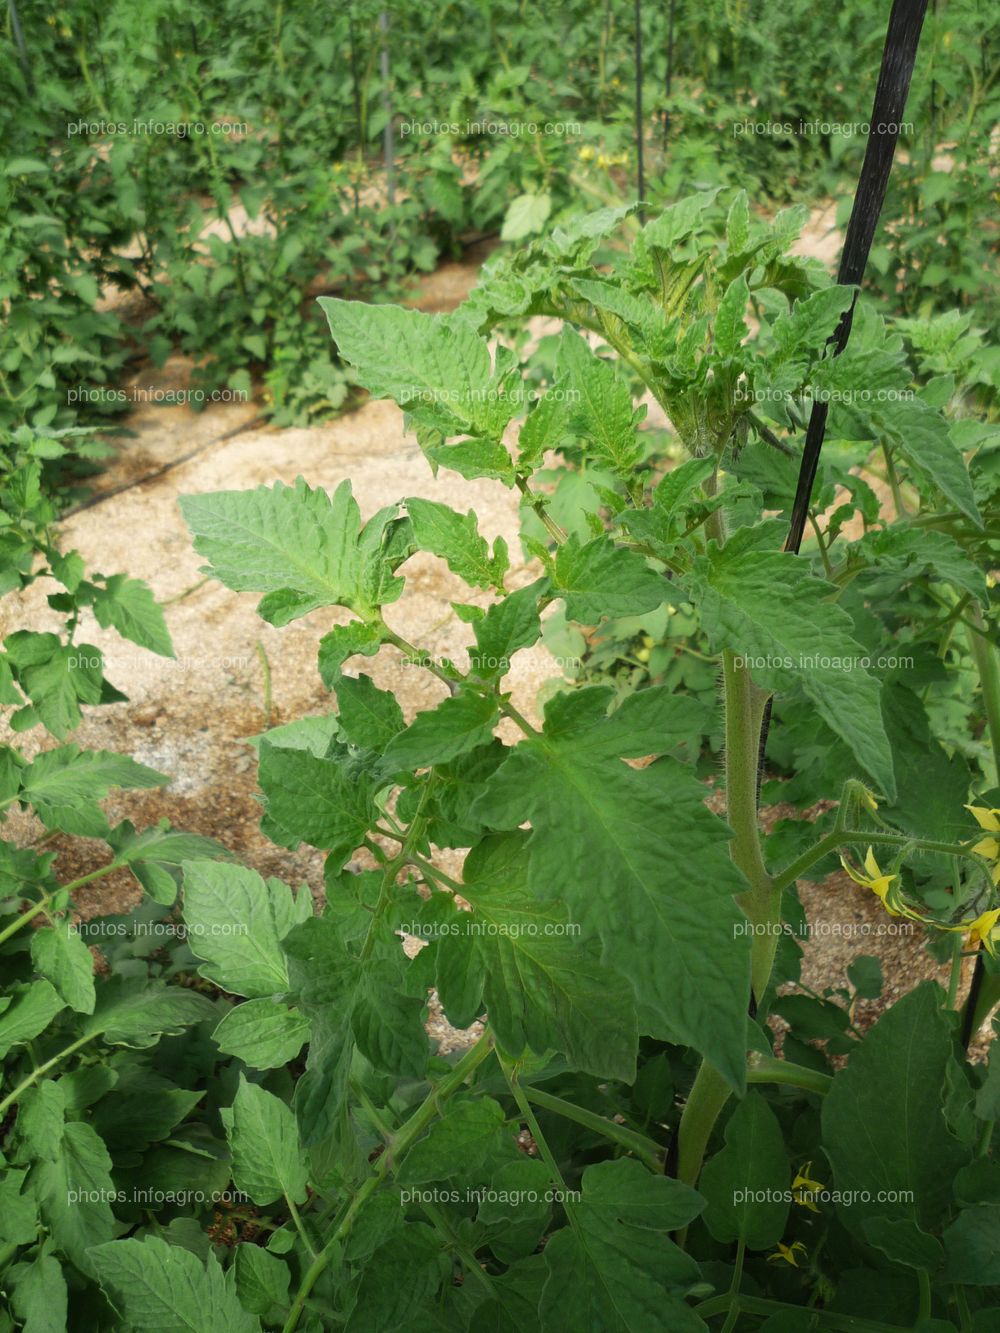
{"x":638,"y":112}
{"x":898,"y":57}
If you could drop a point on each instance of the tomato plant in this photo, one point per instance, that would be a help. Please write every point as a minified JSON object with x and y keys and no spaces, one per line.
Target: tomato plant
{"x":624,"y":1144}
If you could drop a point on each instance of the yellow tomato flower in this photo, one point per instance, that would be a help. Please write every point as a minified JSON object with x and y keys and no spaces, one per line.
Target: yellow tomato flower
{"x":803,"y":1188}
{"x":586,"y":153}
{"x":786,"y":1253}
{"x":981,"y":930}
{"x":875,"y":880}
{"x":989,"y":822}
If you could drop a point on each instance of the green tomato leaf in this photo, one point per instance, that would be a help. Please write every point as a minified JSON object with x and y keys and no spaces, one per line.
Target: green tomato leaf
{"x":268,"y":1161}
{"x":455,"y":538}
{"x":167,"y":1288}
{"x":301,"y":548}
{"x":601,"y":406}
{"x":235,"y":923}
{"x":600,"y":579}
{"x":129,"y":606}
{"x":639,"y":861}
{"x":752,"y":1162}
{"x":768,"y":609}
{"x":543,"y":988}
{"x":884,"y":1130}
{"x":61,"y":956}
{"x":456,"y":726}
{"x":263,"y":1034}
{"x":615,"y":1269}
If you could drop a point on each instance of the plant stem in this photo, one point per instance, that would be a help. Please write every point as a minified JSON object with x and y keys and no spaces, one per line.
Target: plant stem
{"x":393,"y":867}
{"x":27,"y":917}
{"x":734,"y":1288}
{"x":38,"y":1073}
{"x":544,"y":1151}
{"x":537,"y":503}
{"x":768,"y":1069}
{"x":401,"y":1143}
{"x":744,"y":713}
{"x":985,"y":657}
{"x":644,"y":1148}
{"x":924,"y":1283}
{"x":709,"y":1094}
{"x":955,"y":976}
{"x":293,"y":1213}
{"x":843,"y":1323}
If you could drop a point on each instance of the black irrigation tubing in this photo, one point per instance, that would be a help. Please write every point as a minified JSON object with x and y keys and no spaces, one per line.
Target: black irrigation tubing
{"x":638,"y":112}
{"x":898,"y":57}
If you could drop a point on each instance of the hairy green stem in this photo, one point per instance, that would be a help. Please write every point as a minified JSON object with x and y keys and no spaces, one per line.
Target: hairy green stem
{"x":843,"y":1323}
{"x":744,"y":715}
{"x":985,"y":657}
{"x":768,"y":1069}
{"x":402,"y":1141}
{"x":31,"y":1079}
{"x":27,"y":917}
{"x":644,"y":1148}
{"x":709,"y":1094}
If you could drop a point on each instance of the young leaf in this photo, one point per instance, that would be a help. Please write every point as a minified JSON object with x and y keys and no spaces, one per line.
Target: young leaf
{"x":40,"y":1297}
{"x":752,"y":1163}
{"x":236,"y":921}
{"x":456,"y":726}
{"x":261,"y":1279}
{"x":615,"y":1269}
{"x":268,"y":1161}
{"x":602,"y":409}
{"x":59,"y":954}
{"x":507,"y":626}
{"x":28,"y":1013}
{"x":73,"y":1188}
{"x":368,"y":716}
{"x":65,"y":785}
{"x":167,"y":1288}
{"x":600,"y":579}
{"x":293,"y":543}
{"x":436,"y":367}
{"x":324,"y":802}
{"x":263,"y":1034}
{"x":767,"y":608}
{"x":129,"y":606}
{"x":455,"y":538}
{"x":922,"y":436}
